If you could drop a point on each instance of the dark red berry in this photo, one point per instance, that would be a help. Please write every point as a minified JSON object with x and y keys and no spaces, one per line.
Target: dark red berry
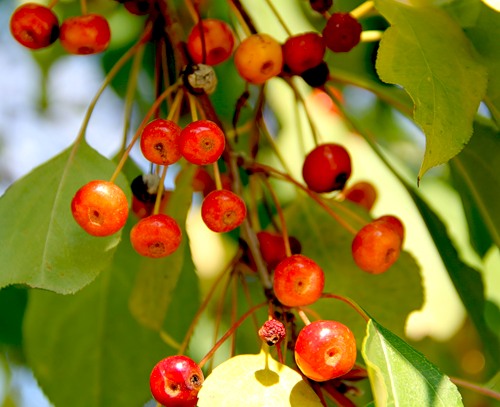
{"x":223,"y":211}
{"x":175,"y":381}
{"x":325,"y":350}
{"x":327,"y":168}
{"x":321,"y":6}
{"x":317,"y":76}
{"x":272,"y":247}
{"x":303,"y":51}
{"x":272,"y":332}
{"x":298,"y":281}
{"x":214,"y":46}
{"x":342,"y":32}
{"x":35,"y":26}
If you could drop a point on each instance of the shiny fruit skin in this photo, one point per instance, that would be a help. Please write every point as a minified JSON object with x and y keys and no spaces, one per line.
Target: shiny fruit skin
{"x":218,"y":41}
{"x":100,"y":208}
{"x":223,"y":211}
{"x":34,"y":26}
{"x":156,"y":236}
{"x":325,"y":350}
{"x":85,"y":34}
{"x":272,"y":247}
{"x":160,"y":142}
{"x":342,"y":32}
{"x":298,"y":281}
{"x":362,"y":193}
{"x":202,"y":142}
{"x":395,"y":223}
{"x":327,"y":168}
{"x":258,"y":58}
{"x":303,"y":51}
{"x":175,"y":381}
{"x":376,"y":247}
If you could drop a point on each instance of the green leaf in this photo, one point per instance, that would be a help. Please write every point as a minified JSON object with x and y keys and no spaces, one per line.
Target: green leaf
{"x":484,"y":35}
{"x":402,"y":376}
{"x":467,"y":280}
{"x":12,"y":306}
{"x":390,"y":296}
{"x":256,"y":380}
{"x":87,"y":349}
{"x":426,"y":52}
{"x":169,"y":280}
{"x":42,"y":245}
{"x":476,"y":175}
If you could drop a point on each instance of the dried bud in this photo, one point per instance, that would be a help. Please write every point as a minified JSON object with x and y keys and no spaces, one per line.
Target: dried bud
{"x":272,"y":332}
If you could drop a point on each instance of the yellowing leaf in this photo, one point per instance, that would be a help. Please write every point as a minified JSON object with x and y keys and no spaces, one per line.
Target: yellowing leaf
{"x":256,"y":381}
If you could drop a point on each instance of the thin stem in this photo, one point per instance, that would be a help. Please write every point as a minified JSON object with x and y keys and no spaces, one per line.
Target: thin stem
{"x":230,"y":331}
{"x":83,"y":7}
{"x":243,"y":18}
{"x":371,"y":35}
{"x":175,"y":108}
{"x":303,"y":316}
{"x":363,"y":9}
{"x":278,"y":16}
{"x":192,"y":107}
{"x":159,"y":193}
{"x":204,"y":304}
{"x":137,"y":134}
{"x":349,"y":302}
{"x":476,"y":387}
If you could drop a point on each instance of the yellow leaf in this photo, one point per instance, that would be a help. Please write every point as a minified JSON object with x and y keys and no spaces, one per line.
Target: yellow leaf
{"x":256,"y":381}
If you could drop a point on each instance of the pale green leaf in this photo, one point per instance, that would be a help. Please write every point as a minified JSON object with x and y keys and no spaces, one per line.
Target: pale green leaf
{"x":402,"y":376}
{"x":426,"y":52}
{"x":253,"y":381}
{"x":42,"y":245}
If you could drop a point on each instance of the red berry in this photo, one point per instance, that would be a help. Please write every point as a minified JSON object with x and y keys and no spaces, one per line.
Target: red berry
{"x":202,"y":142}
{"x":342,"y":32}
{"x":258,"y":58}
{"x":327,"y":168}
{"x":272,"y":332}
{"x":395,"y":223}
{"x":325,"y":350}
{"x":316,"y":76}
{"x":376,"y":247}
{"x":160,"y":142}
{"x":321,"y":6}
{"x":362,"y":193}
{"x":298,"y":281}
{"x":175,"y":381}
{"x":223,"y":211}
{"x":217,"y":43}
{"x":303,"y":51}
{"x":86,"y":34}
{"x":156,"y":236}
{"x":100,"y":208}
{"x":35,"y":26}
{"x":272,"y":247}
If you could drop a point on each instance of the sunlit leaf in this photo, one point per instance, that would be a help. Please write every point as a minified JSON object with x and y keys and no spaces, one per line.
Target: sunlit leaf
{"x":476,"y":174}
{"x":402,"y":376}
{"x":87,"y":349}
{"x":256,"y":380}
{"x":443,"y":77}
{"x":42,"y":245}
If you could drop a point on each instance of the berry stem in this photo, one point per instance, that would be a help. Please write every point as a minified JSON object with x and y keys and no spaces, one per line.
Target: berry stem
{"x":242,"y":17}
{"x":192,"y":108}
{"x":303,"y":316}
{"x":349,"y":302}
{"x":363,"y":9}
{"x":278,"y":16}
{"x":193,"y":12}
{"x":218,"y":181}
{"x":159,"y":193}
{"x":137,"y":134}
{"x":340,"y":399}
{"x":174,"y":109}
{"x":371,"y":35}
{"x":52,"y":3}
{"x":230,"y":331}
{"x":476,"y":388}
{"x":83,"y":7}
{"x":284,"y":229}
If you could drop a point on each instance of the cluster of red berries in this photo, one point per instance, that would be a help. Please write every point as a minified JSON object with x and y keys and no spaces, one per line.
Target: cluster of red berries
{"x":36,"y":26}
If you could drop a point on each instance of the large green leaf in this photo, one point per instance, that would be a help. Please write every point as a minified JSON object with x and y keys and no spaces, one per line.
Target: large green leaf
{"x":484,"y":35}
{"x":426,"y":52}
{"x":87,"y":349}
{"x":12,"y":306}
{"x":390,"y":296}
{"x":467,"y":281}
{"x":42,"y":246}
{"x":402,"y":376}
{"x":476,"y":175}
